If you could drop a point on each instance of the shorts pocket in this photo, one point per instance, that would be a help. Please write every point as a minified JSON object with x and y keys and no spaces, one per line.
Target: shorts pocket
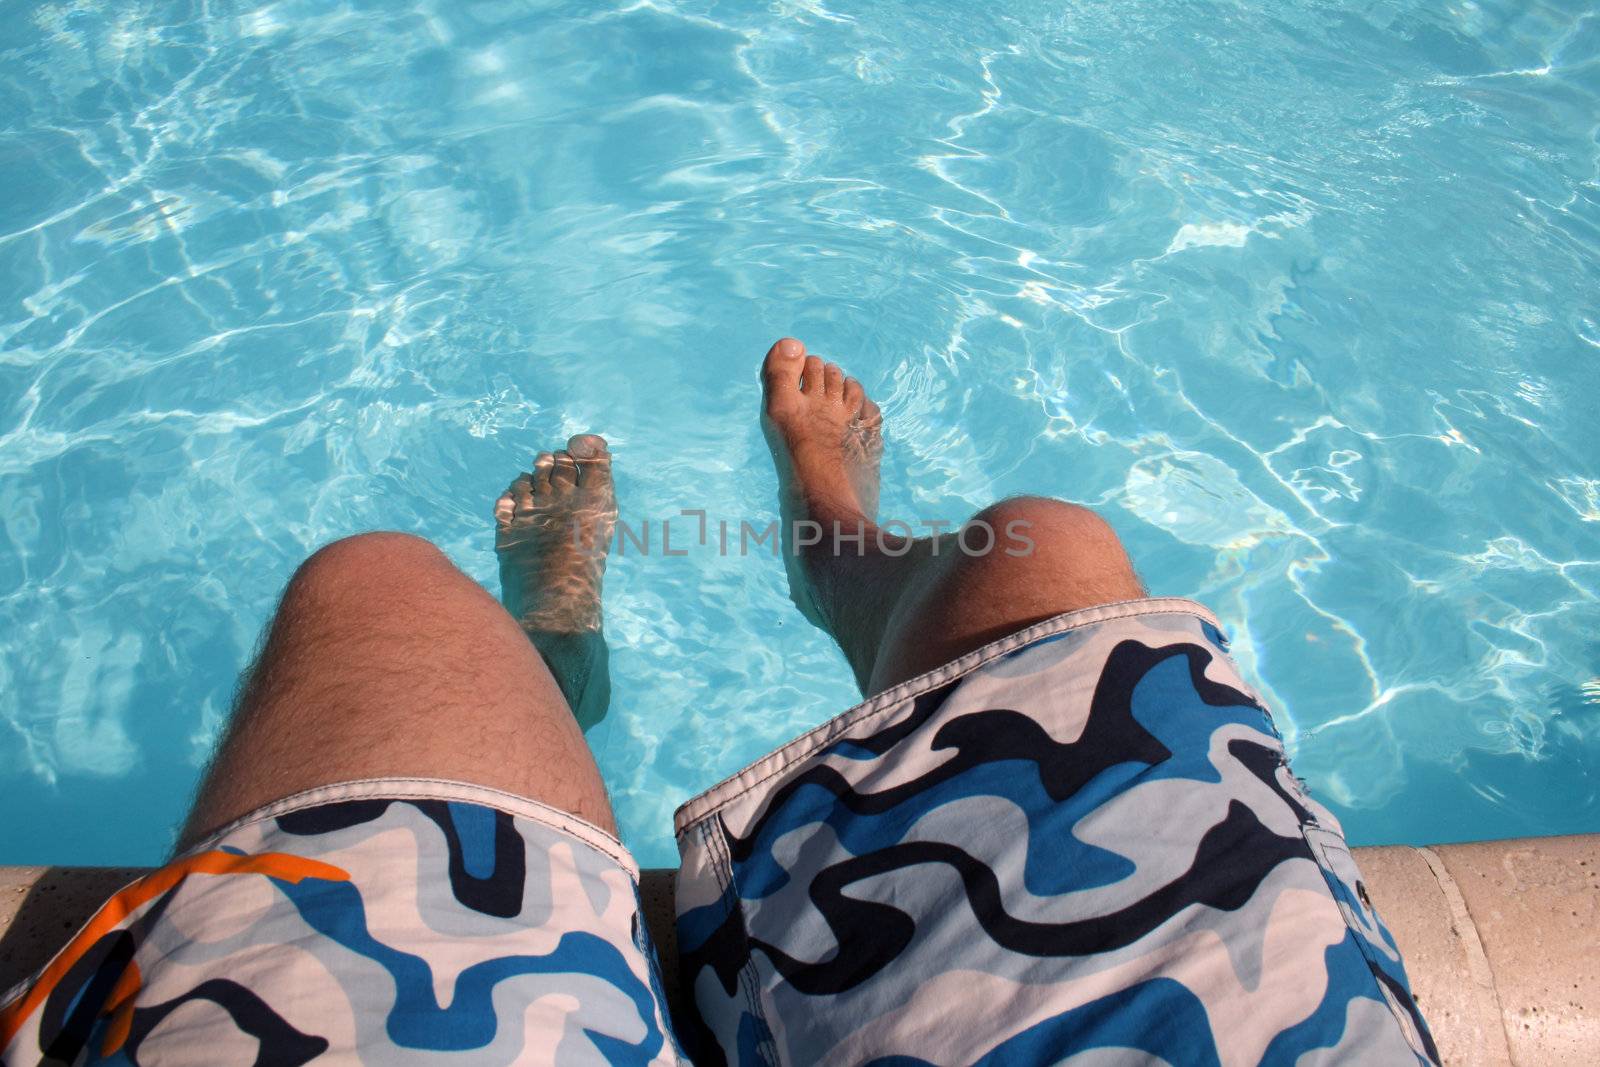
{"x":1350,"y":893}
{"x":1371,"y":936}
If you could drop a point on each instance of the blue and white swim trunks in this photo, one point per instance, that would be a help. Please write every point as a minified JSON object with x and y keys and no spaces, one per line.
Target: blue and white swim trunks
{"x":391,"y":921}
{"x":1078,"y":844}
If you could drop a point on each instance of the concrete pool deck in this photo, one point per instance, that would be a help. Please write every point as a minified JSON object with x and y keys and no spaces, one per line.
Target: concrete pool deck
{"x":1502,"y":938}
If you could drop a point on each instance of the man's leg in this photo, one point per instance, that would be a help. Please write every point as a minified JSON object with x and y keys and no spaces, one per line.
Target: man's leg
{"x":899,"y":607}
{"x":385,"y":660}
{"x":1062,"y":852}
{"x":432,"y":909}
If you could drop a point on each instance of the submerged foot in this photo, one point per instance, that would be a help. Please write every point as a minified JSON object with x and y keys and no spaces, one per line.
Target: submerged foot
{"x":553,"y":527}
{"x":826,"y":440}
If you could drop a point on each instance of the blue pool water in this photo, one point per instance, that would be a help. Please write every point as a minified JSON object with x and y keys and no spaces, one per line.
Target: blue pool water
{"x":1303,"y":295}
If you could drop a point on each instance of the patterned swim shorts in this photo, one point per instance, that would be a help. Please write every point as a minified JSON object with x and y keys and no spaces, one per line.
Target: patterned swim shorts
{"x":384,"y":922}
{"x":1080,"y":843}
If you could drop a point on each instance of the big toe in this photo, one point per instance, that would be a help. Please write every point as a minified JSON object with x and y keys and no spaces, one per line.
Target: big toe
{"x":781,"y":370}
{"x":589,"y":453}
{"x":587,"y":446}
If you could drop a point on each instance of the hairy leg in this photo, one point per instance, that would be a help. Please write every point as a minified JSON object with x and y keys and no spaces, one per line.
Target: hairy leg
{"x":956,"y":603}
{"x":898,"y":607}
{"x":385,"y":660}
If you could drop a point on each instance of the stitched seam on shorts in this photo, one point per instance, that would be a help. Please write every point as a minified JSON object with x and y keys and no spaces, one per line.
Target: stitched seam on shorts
{"x":407,"y":788}
{"x":1319,"y":855}
{"x":715,"y":834}
{"x":791,"y":753}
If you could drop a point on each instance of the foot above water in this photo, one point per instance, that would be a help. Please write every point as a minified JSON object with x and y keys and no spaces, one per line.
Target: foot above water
{"x":825,"y":434}
{"x":826,"y":440}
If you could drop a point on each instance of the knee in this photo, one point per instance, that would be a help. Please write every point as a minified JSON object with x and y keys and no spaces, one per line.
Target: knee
{"x":1034,"y":525}
{"x":368,"y":561}
{"x":1043,"y":544}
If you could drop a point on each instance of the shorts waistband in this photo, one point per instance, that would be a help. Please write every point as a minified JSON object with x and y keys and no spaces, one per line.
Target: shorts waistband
{"x":441,"y":789}
{"x":709,"y":802}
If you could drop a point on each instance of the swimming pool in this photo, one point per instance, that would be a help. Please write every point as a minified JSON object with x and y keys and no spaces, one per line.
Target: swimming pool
{"x":1301,"y":295}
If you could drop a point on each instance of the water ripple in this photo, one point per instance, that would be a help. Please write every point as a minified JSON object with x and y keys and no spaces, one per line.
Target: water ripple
{"x":1300,"y":296}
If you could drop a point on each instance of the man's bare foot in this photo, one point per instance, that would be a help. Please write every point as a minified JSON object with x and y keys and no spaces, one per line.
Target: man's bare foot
{"x":826,"y":440}
{"x":899,"y":606}
{"x":553,"y":527}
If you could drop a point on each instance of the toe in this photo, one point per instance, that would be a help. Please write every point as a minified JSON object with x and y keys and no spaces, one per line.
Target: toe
{"x":504,"y":510}
{"x":588,"y":450}
{"x":870,"y":416}
{"x":563,"y":472}
{"x":540,"y":478}
{"x":521,"y":492}
{"x":811,"y":376}
{"x":854,"y":395}
{"x":582,"y":446}
{"x":780,"y":371}
{"x":833,"y":381}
